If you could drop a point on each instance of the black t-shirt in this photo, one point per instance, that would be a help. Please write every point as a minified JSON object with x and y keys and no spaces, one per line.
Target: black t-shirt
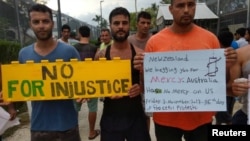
{"x":86,"y":50}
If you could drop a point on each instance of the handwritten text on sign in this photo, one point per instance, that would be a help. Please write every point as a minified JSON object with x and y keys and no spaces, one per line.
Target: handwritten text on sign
{"x":185,"y":81}
{"x":65,"y":80}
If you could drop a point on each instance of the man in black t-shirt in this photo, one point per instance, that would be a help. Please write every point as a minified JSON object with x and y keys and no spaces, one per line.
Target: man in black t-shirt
{"x":87,"y":50}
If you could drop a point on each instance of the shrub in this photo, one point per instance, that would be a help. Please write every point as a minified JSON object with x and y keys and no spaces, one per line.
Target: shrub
{"x":9,"y":51}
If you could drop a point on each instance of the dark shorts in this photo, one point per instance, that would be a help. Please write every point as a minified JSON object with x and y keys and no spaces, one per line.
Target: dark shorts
{"x":239,"y":118}
{"x":166,"y":133}
{"x":124,"y":128}
{"x":226,"y":117}
{"x":69,"y":135}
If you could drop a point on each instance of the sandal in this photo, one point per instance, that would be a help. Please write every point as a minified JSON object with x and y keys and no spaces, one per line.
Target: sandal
{"x":97,"y":133}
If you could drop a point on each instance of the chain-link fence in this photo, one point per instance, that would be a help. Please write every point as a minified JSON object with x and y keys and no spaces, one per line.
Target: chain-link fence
{"x":14,"y":25}
{"x":232,"y":13}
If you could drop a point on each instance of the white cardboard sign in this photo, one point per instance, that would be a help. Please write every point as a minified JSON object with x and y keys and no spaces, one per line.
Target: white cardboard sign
{"x":185,"y":81}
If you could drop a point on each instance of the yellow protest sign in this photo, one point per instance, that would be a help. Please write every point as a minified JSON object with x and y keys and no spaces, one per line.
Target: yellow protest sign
{"x":65,"y":80}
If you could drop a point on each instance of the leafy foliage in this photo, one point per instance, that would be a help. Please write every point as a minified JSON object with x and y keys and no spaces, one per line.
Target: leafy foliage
{"x":8,"y":51}
{"x":98,"y":19}
{"x":153,"y":12}
{"x":3,"y":26}
{"x":165,"y":1}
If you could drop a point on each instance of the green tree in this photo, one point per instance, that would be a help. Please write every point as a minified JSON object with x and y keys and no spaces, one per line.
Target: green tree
{"x":154,"y":9}
{"x":4,"y":24}
{"x":97,"y":19}
{"x":104,"y":23}
{"x":133,"y":21}
{"x":165,"y":1}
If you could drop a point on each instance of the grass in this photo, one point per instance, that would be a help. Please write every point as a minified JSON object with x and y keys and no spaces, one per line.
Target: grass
{"x":23,"y":118}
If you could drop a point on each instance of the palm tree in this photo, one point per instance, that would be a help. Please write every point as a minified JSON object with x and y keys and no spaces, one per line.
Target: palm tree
{"x":97,"y":19}
{"x":154,"y":7}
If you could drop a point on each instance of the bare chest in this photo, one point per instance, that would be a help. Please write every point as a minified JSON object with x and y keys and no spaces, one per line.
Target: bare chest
{"x":123,"y":54}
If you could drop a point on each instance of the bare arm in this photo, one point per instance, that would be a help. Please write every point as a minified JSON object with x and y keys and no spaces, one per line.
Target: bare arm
{"x":233,"y":88}
{"x":11,"y":109}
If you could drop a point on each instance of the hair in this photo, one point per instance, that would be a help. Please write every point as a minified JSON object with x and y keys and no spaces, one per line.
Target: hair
{"x":84,"y":31}
{"x":105,"y":29}
{"x":225,"y":38}
{"x":118,"y":11}
{"x":65,"y":26}
{"x":143,"y":14}
{"x":172,"y":1}
{"x":224,"y":29}
{"x":40,"y":8}
{"x":241,"y":31}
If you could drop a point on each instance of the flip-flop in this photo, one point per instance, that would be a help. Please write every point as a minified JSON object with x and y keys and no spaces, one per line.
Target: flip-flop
{"x":97,"y":133}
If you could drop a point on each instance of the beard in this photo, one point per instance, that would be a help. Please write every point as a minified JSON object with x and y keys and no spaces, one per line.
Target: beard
{"x":43,"y":37}
{"x":120,"y":38}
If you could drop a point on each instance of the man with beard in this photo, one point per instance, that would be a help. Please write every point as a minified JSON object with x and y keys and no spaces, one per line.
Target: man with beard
{"x":52,"y":119}
{"x":182,"y":35}
{"x":123,"y":118}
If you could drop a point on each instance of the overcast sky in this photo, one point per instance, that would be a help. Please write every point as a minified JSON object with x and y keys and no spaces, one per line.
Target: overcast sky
{"x":86,"y":10}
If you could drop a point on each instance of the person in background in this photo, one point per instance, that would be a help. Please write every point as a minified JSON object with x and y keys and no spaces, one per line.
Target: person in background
{"x":182,"y":35}
{"x":225,"y":39}
{"x":247,"y":35}
{"x":106,"y":38}
{"x":123,"y":118}
{"x":73,"y":39}
{"x":234,"y":44}
{"x":65,"y":34}
{"x":87,"y":50}
{"x":240,"y":35}
{"x":139,"y":39}
{"x":142,"y":34}
{"x":51,"y":120}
